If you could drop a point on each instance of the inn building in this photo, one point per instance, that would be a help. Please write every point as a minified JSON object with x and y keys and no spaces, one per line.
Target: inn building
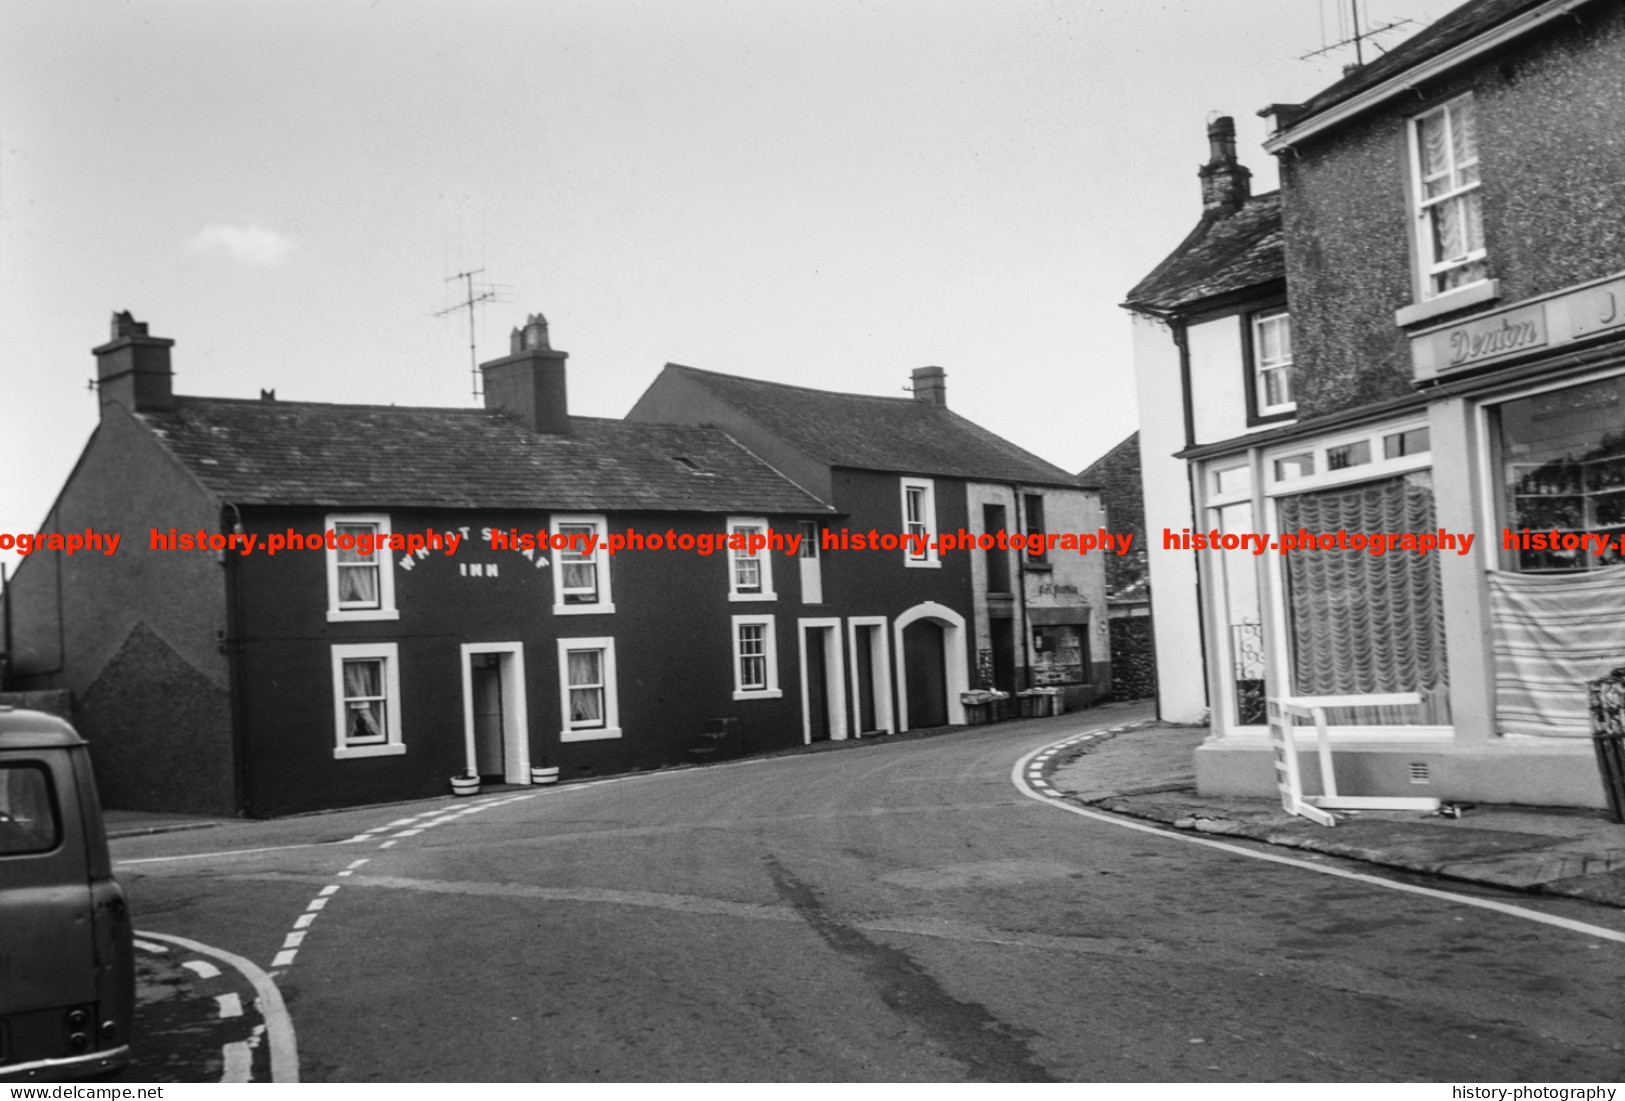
{"x":1423,"y":329}
{"x":222,"y":682}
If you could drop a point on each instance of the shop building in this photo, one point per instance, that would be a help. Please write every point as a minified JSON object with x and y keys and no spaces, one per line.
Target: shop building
{"x":1447,"y":362}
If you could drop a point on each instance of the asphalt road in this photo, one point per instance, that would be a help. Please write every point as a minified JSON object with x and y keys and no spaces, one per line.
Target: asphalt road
{"x":889,"y":912}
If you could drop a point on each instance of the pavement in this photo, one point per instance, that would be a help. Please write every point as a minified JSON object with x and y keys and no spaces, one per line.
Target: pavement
{"x":1145,"y":770}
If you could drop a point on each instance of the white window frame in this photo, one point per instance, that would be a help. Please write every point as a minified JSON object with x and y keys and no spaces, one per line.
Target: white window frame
{"x":386,"y":575}
{"x":605,"y":604}
{"x":1259,"y":367}
{"x":763,"y":558}
{"x":1378,"y":467}
{"x":1427,"y":265}
{"x":389,"y":653}
{"x":570,"y":731}
{"x":770,"y":648}
{"x":928,"y":500}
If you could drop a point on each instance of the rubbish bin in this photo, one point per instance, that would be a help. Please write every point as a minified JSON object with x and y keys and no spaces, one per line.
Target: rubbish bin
{"x":1608,"y":736}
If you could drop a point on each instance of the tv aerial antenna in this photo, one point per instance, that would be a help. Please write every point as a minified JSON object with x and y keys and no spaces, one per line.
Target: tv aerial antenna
{"x":474,"y":294}
{"x":1356,"y":37}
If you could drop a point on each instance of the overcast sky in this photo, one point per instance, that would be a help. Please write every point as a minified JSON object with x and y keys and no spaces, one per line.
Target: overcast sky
{"x":824,"y":192}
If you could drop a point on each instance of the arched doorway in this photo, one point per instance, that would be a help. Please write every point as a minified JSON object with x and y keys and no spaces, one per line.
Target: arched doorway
{"x":929,"y":651}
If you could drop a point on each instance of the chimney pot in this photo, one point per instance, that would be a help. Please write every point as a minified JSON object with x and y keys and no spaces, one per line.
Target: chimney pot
{"x":132,"y":369}
{"x":931,"y":385}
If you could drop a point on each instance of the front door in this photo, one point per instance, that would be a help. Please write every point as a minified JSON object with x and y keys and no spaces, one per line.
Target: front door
{"x":486,"y":682}
{"x":924,"y":674}
{"x":817,"y":685}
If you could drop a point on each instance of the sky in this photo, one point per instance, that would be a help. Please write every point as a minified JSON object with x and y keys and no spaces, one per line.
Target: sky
{"x":822,"y":192}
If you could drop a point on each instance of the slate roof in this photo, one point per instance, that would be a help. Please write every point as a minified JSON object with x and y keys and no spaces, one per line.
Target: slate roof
{"x":865,"y":432}
{"x":386,"y":456}
{"x":1226,"y":252}
{"x":1450,"y":30}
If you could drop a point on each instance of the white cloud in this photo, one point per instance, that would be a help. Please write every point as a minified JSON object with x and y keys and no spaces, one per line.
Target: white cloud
{"x":250,"y":244}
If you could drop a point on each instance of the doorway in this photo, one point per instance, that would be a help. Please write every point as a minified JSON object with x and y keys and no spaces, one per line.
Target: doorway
{"x":871,"y":676}
{"x":495,"y":724}
{"x":923,"y":679}
{"x":823,"y":693}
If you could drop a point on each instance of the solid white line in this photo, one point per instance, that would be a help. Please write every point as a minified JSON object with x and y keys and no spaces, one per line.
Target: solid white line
{"x":146,"y":946}
{"x":1406,"y":888}
{"x":227,"y":852}
{"x":278,"y":1025}
{"x":204,"y":970}
{"x":230,"y":1005}
{"x":239,"y":1062}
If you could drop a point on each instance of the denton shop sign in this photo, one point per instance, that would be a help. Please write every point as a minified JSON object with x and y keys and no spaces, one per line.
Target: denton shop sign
{"x":1549,"y":322}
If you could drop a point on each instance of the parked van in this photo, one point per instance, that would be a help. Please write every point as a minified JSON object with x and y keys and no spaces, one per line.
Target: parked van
{"x":67,"y":958}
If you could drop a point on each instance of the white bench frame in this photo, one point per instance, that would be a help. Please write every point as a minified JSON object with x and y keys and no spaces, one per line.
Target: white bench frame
{"x":1283,"y":710}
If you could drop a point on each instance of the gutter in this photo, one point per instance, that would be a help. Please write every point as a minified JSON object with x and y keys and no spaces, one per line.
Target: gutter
{"x":1410,"y":79}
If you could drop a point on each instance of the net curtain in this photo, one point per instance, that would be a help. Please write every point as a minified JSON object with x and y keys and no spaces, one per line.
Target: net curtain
{"x":586,"y":697}
{"x":1360,"y":622}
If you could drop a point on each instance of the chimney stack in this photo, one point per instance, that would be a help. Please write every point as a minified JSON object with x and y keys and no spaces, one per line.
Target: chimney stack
{"x":1226,"y":183}
{"x":931,"y":385}
{"x":132,"y":369}
{"x":528,"y":383}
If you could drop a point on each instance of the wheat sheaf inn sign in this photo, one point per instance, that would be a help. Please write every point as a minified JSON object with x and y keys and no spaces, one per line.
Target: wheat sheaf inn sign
{"x":1551,"y":321}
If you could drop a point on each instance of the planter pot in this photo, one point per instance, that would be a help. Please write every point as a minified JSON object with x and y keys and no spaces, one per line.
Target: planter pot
{"x":545,"y":775}
{"x":465,"y":785}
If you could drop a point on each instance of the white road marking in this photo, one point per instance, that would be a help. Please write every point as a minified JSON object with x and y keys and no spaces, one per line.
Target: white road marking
{"x":409,"y":833}
{"x":268,"y":1000}
{"x":316,"y":904}
{"x":284,"y":958}
{"x":239,"y":1062}
{"x":227,"y":852}
{"x":147,"y":946}
{"x":230,"y":1005}
{"x":331,"y":889}
{"x":354,"y":864}
{"x":303,"y":921}
{"x":386,"y":844}
{"x":203,"y":969}
{"x":293,"y":940}
{"x":1341,"y":873}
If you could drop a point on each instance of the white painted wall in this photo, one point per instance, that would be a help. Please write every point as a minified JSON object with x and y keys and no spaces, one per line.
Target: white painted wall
{"x":1181,"y":694}
{"x":1218,"y":383}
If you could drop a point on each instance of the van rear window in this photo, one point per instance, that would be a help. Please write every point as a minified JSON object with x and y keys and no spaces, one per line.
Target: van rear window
{"x":28,"y":819}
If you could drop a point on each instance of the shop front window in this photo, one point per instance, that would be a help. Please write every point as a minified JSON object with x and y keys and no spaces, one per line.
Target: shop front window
{"x":1562,"y":473}
{"x":1061,"y":654}
{"x":1360,"y":623}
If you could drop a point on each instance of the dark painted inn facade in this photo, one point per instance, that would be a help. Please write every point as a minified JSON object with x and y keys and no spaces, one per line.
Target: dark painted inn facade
{"x":263,"y":683}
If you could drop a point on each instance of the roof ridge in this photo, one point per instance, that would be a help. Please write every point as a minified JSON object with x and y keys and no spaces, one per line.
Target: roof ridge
{"x":262,"y":402}
{"x":791,"y":385}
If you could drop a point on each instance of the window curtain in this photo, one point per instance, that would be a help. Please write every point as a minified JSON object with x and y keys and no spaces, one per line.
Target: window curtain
{"x":363,"y":689}
{"x":586,"y":697}
{"x":357,"y":584}
{"x":1360,"y":622}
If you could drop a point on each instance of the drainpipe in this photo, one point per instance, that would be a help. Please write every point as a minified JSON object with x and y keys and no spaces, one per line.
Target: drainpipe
{"x":5,"y":599}
{"x":1021,"y":586}
{"x":231,"y":645}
